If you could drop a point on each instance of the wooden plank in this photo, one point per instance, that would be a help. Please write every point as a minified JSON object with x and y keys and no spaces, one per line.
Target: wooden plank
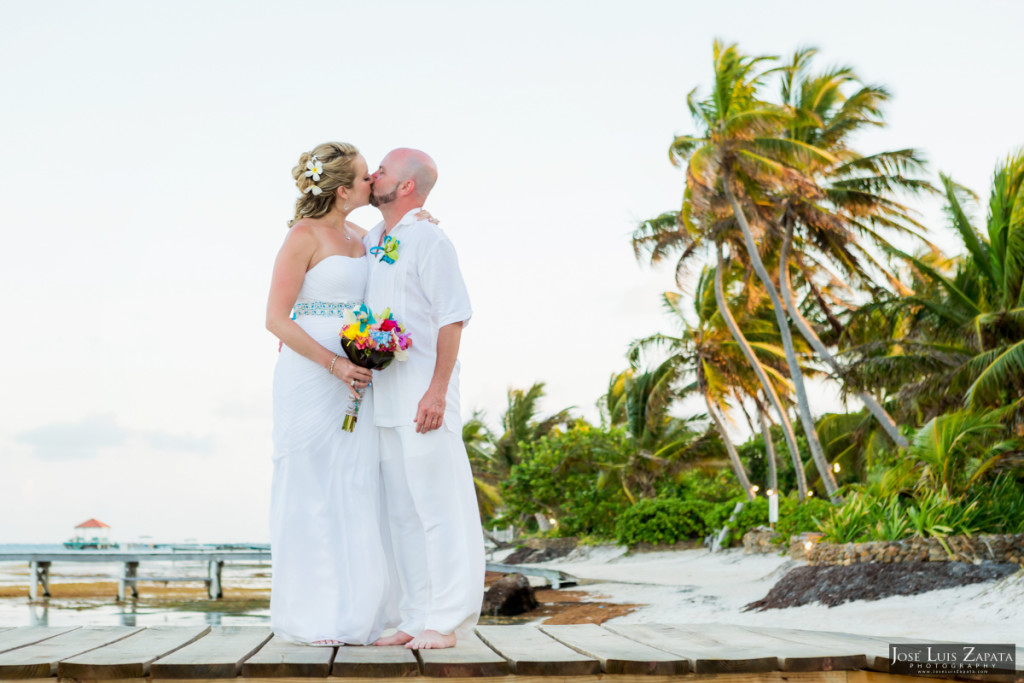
{"x":130,"y":657}
{"x":375,"y":662}
{"x":280,"y":658}
{"x":530,"y":652}
{"x":218,"y":654}
{"x":40,"y":660}
{"x":13,"y":638}
{"x":769,"y":677}
{"x":469,"y":657}
{"x":618,"y":654}
{"x":705,"y":653}
{"x":835,"y":654}
{"x":875,"y":650}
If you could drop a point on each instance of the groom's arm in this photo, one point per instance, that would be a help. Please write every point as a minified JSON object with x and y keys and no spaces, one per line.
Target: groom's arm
{"x":430,"y":412}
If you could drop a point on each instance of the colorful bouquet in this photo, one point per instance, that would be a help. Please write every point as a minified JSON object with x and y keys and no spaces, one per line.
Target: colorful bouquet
{"x":371,"y":343}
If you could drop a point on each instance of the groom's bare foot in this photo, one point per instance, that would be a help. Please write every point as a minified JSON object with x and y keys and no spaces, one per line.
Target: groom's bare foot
{"x":431,"y":640}
{"x":399,"y":638}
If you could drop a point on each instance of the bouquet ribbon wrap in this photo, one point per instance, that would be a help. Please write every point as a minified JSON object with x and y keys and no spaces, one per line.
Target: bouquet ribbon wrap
{"x":371,"y":344}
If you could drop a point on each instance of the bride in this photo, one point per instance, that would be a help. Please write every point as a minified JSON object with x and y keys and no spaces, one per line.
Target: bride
{"x":331,"y":583}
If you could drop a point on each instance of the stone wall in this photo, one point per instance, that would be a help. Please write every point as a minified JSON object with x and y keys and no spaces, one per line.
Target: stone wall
{"x":982,"y":548}
{"x":759,"y":540}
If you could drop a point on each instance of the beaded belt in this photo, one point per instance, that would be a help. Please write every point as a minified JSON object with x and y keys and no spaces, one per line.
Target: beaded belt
{"x":325,"y":309}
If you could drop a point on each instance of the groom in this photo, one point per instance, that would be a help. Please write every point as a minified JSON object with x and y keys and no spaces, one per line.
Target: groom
{"x":429,"y":494}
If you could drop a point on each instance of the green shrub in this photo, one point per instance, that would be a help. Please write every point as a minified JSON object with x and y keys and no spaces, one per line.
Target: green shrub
{"x":1000,"y":507}
{"x":864,"y":517}
{"x":662,"y":521}
{"x":796,"y":517}
{"x":561,"y":476}
{"x":711,"y":487}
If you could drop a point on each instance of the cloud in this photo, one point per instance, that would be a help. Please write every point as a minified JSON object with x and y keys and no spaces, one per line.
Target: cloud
{"x":83,"y":440}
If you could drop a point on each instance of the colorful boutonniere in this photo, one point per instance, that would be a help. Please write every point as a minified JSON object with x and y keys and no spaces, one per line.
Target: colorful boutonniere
{"x":387,"y":252}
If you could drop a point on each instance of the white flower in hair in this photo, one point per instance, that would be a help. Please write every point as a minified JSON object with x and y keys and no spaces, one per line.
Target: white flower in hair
{"x":314,"y":169}
{"x":314,"y":189}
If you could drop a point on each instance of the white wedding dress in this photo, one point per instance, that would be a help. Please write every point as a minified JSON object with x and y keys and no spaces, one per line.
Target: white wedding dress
{"x":331,"y":579}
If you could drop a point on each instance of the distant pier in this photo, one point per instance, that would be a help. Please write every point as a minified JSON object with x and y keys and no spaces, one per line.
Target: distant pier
{"x":40,"y":563}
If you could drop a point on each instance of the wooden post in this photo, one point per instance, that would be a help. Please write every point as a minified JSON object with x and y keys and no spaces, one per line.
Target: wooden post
{"x":39,"y":572}
{"x":44,"y":577}
{"x":216,"y":569}
{"x":131,"y":570}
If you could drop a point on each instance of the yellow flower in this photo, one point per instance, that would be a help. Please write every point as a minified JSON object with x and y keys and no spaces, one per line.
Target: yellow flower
{"x":352,"y":332}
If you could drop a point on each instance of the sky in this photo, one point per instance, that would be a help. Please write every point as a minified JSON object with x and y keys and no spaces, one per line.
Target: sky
{"x":145,"y":187}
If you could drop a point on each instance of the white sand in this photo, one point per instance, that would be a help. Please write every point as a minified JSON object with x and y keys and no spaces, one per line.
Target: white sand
{"x":697,"y":586}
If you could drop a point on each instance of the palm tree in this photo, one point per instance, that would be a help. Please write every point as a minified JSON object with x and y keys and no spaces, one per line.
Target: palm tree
{"x":743,"y":153}
{"x":521,"y":423}
{"x":850,"y":198}
{"x":479,"y":443}
{"x":958,"y":337}
{"x":709,"y":355}
{"x":663,"y":445}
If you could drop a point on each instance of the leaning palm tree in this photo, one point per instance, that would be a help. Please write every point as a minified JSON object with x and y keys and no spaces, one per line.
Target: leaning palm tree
{"x":850,"y":201}
{"x":711,"y":359}
{"x":742,"y":153}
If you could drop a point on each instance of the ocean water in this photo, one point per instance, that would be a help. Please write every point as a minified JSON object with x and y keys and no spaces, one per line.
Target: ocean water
{"x":246,"y":607}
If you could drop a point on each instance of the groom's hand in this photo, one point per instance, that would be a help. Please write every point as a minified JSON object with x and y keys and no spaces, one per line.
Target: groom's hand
{"x":430,"y":411}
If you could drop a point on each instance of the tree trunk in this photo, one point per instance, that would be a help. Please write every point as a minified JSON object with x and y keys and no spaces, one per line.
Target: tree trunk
{"x":755,"y":364}
{"x":802,"y":403}
{"x":870,"y":402}
{"x":734,"y":457}
{"x":769,"y":449}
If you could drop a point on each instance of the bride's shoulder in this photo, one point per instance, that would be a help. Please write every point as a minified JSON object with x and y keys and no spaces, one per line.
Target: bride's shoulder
{"x":302,"y":231}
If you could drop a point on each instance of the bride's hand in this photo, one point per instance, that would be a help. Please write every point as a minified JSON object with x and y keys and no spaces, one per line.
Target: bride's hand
{"x":355,"y":377}
{"x":425,"y":215}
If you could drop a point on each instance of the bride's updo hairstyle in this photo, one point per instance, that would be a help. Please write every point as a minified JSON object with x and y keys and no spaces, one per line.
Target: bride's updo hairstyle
{"x":335,"y":162}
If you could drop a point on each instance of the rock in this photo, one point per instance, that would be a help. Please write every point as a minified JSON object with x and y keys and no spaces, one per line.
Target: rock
{"x":508,"y":596}
{"x":542,"y":550}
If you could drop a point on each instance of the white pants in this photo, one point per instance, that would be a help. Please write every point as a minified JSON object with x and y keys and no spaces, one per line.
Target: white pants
{"x":435,"y":528}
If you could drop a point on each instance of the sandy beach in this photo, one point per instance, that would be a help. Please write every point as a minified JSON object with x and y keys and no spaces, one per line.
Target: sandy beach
{"x":697,"y":586}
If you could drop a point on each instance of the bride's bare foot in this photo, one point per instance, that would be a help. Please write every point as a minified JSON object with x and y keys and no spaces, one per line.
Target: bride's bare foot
{"x":326,"y":643}
{"x":399,"y":638}
{"x":431,"y":640}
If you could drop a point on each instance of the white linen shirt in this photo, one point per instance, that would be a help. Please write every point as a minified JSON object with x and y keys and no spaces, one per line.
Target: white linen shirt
{"x":425,"y":291}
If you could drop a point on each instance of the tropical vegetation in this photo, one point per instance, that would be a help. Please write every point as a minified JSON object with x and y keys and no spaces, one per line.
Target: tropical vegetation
{"x":797,"y":256}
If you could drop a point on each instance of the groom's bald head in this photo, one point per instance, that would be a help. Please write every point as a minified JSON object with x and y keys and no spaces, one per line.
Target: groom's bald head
{"x":414,"y":165}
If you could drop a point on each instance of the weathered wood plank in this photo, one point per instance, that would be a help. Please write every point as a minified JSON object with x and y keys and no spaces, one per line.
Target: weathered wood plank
{"x":218,"y":654}
{"x":469,"y":657}
{"x":279,"y":658}
{"x":769,"y":677}
{"x":836,"y":654}
{"x":875,"y":650}
{"x":618,"y":654}
{"x":130,"y":657}
{"x":40,"y":659}
{"x":13,"y":638}
{"x":705,"y":654}
{"x":530,"y":652}
{"x":375,"y":662}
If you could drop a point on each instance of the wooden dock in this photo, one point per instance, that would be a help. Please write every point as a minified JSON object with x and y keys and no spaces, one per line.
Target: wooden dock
{"x":515,"y":654}
{"x":40,"y":563}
